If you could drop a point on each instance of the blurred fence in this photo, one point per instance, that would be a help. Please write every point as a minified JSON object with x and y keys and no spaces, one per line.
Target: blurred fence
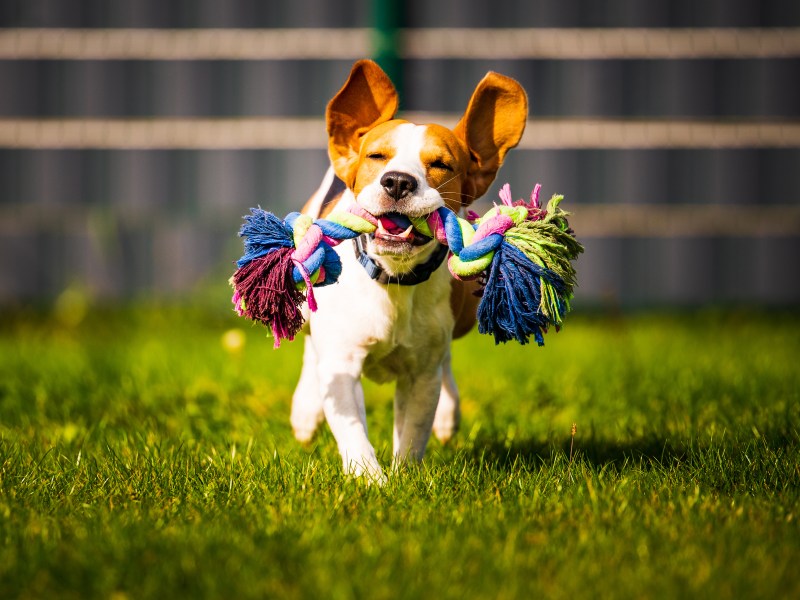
{"x":128,"y":155}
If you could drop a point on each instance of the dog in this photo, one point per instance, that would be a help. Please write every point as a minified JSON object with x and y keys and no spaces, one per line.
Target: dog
{"x":395,"y":309}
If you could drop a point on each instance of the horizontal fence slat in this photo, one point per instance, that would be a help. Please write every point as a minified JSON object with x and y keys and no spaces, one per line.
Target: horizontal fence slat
{"x":433,"y":43}
{"x":684,"y":220}
{"x":606,"y":43}
{"x":184,"y":44}
{"x":309,"y":133}
{"x":233,"y":133}
{"x":588,"y":220}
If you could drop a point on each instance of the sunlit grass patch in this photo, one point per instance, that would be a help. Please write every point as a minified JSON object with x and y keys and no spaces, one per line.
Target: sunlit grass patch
{"x":147,"y":452}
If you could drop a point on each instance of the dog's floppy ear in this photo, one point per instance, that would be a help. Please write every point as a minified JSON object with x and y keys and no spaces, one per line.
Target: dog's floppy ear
{"x":491,"y":126}
{"x":367,"y":99}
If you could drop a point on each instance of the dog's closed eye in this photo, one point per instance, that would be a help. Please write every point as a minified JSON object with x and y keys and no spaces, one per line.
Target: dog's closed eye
{"x":440,"y":164}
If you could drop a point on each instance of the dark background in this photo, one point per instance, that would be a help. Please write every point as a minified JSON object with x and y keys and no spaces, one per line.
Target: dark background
{"x":121,"y":223}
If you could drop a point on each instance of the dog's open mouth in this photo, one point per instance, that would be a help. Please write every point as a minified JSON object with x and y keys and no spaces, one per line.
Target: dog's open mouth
{"x":395,"y":228}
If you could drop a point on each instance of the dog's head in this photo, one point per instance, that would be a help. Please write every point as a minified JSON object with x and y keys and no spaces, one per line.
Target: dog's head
{"x":394,"y":167}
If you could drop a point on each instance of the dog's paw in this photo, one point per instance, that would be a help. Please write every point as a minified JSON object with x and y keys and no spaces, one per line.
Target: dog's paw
{"x":366,"y":469}
{"x":304,"y":435}
{"x":305,"y":426}
{"x":447,"y":420}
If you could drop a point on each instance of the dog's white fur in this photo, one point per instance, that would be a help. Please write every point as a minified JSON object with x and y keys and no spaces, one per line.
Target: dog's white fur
{"x":394,"y":332}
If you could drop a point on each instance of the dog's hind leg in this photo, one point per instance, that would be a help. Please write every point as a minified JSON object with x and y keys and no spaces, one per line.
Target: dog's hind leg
{"x":448,"y":412}
{"x":307,"y":411}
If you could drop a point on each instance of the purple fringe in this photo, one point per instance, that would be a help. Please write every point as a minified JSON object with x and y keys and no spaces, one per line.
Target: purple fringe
{"x":270,"y":296}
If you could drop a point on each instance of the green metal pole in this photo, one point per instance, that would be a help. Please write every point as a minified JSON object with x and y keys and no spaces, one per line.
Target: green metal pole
{"x":386,"y":21}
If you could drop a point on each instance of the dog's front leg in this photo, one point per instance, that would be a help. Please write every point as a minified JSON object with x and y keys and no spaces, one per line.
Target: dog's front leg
{"x":414,"y":409}
{"x":343,"y":403}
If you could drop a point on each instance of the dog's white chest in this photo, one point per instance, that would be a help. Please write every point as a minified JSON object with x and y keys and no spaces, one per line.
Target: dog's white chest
{"x":416,"y":334}
{"x":394,"y":326}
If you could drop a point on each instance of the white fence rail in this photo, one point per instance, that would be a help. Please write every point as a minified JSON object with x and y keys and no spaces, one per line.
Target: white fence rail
{"x":309,"y":133}
{"x":433,"y":43}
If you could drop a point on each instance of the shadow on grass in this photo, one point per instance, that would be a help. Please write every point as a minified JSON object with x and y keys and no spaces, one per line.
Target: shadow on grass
{"x":648,"y":452}
{"x":599,"y":453}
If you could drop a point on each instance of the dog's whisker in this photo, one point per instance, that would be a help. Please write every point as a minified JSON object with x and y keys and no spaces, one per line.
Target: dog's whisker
{"x":446,"y":182}
{"x":456,"y":195}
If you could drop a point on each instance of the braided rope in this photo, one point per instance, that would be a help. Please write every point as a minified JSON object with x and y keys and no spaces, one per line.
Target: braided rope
{"x":541,"y":246}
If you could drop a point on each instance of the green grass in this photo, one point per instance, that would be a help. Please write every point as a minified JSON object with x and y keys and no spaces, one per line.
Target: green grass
{"x":140,"y":458}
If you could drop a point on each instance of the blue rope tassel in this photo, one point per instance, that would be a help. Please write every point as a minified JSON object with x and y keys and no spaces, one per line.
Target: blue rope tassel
{"x":263,"y":232}
{"x":510,"y":305}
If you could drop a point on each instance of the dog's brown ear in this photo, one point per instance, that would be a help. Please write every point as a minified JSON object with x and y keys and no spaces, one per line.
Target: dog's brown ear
{"x":492,"y":125}
{"x":367,"y":99}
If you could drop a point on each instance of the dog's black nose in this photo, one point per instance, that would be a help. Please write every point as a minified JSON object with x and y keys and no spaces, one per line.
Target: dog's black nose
{"x":398,"y":185}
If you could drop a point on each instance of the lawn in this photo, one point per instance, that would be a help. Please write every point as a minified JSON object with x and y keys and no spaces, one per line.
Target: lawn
{"x":144,"y":456}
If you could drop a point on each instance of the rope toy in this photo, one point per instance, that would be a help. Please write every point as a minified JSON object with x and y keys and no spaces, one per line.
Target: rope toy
{"x":522,"y":251}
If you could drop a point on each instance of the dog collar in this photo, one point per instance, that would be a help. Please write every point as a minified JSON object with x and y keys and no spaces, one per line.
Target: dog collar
{"x":417,"y":275}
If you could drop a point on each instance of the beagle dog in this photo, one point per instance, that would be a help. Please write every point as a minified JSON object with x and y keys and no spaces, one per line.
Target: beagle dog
{"x":396,"y":309}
